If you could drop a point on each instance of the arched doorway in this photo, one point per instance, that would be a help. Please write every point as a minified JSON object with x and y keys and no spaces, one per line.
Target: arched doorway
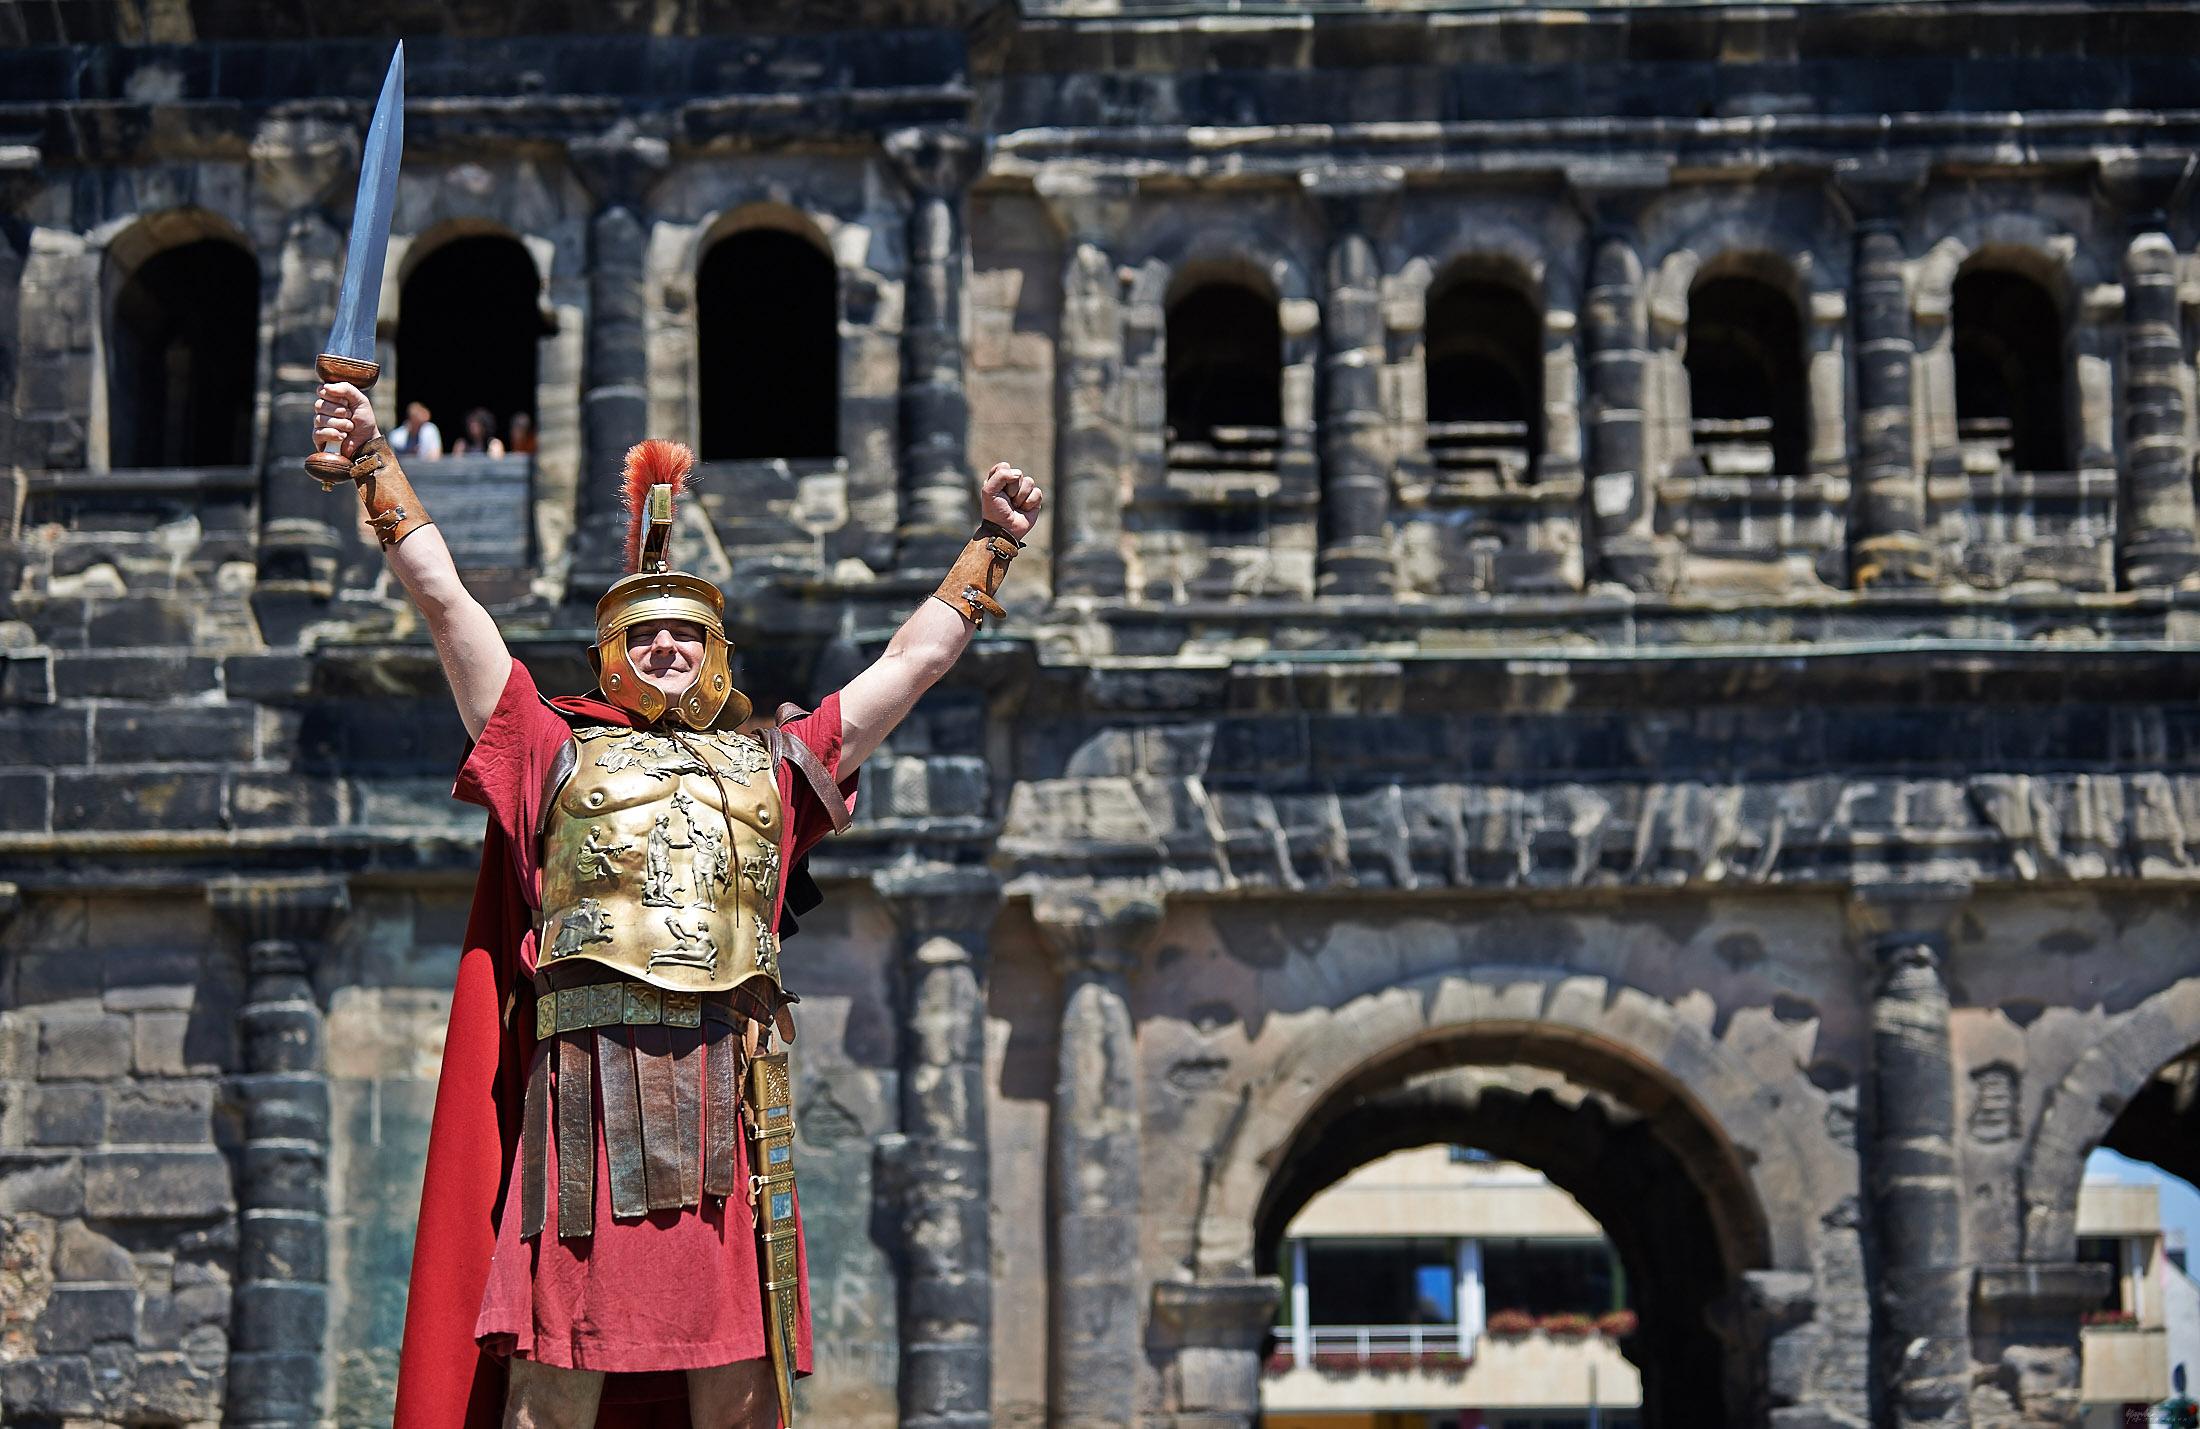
{"x":1628,"y":1144}
{"x":468,"y":326}
{"x":182,"y":344}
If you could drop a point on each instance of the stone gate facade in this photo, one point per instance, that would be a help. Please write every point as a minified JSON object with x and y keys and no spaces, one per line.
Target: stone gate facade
{"x":1644,"y":551}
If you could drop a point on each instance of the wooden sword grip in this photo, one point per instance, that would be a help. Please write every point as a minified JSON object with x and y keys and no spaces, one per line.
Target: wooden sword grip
{"x":328,"y":465}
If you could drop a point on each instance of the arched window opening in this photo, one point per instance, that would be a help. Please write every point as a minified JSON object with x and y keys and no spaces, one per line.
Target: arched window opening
{"x":768,"y":317}
{"x":2009,"y":373}
{"x":1485,"y":379}
{"x":1747,"y":386}
{"x":468,"y":323}
{"x":183,"y":349}
{"x":1225,"y":379}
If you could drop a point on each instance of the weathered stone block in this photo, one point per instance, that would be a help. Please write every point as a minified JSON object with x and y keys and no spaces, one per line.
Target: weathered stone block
{"x":157,"y":1185}
{"x":68,"y":1115}
{"x":157,"y":800}
{"x":160,"y":1111}
{"x":100,"y":675}
{"x":169,"y":1388}
{"x":153,"y":734}
{"x":175,"y":1044}
{"x":80,"y":1316}
{"x":81,"y":1253}
{"x":81,"y":1045}
{"x":26,"y":801}
{"x":46,"y":737}
{"x":43,"y":1183}
{"x":53,"y":1386}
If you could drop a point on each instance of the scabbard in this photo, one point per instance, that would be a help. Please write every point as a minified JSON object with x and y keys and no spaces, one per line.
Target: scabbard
{"x":771,"y":1134}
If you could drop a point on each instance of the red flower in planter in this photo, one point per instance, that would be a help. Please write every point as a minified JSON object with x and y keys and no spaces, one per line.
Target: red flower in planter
{"x":1567,"y":1325}
{"x":1510,"y":1322}
{"x":1617,"y":1324}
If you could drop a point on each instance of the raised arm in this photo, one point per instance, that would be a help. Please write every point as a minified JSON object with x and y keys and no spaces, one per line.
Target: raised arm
{"x":930,"y":641}
{"x":475,"y":661}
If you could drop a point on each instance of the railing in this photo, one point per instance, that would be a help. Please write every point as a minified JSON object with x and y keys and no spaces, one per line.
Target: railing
{"x":1388,"y":1347}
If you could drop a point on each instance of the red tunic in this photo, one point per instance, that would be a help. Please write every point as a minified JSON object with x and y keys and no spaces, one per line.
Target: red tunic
{"x":673,"y":1291}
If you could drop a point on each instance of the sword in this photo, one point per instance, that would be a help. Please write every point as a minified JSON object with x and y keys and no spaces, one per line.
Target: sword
{"x":349,"y":356}
{"x":771,"y":1185}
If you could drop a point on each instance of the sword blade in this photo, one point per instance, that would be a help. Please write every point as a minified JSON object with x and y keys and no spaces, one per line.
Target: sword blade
{"x":352,"y":335}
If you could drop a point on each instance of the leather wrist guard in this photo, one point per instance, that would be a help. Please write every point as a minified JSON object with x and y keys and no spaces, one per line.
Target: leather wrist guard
{"x":392,"y":509}
{"x":978,"y":572}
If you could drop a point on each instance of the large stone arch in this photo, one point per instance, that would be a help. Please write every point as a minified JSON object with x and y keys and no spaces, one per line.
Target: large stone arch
{"x":1605,"y":1036}
{"x":2077,"y":1114}
{"x":1710,"y":1112}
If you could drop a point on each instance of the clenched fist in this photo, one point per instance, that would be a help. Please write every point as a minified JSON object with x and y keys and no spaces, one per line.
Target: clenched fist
{"x":342,"y":413}
{"x":1010,"y":500}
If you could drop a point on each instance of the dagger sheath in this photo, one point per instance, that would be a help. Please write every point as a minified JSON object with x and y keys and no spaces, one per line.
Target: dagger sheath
{"x":771,"y":1185}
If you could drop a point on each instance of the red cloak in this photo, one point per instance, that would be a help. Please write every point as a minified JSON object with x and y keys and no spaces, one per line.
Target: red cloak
{"x":444,"y":1379}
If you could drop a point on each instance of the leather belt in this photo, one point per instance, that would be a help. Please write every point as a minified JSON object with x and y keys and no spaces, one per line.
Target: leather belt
{"x":616,"y":1004}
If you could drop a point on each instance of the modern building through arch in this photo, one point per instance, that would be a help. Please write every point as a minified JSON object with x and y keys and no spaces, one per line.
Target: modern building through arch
{"x":1441,"y":1287}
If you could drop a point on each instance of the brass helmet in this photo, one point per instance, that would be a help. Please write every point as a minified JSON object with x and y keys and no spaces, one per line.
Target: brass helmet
{"x":656,"y":473}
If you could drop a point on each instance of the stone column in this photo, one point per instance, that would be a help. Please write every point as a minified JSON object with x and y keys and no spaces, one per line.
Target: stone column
{"x":1354,"y":555}
{"x":1212,"y":1332}
{"x":300,"y":168}
{"x":618,"y":169}
{"x":939,"y":492}
{"x":1088,"y":380}
{"x":934,"y":1172}
{"x":1622,"y":503}
{"x":1096,"y":1343}
{"x":280,"y":1309}
{"x":2158,"y":517}
{"x":1887,"y":542}
{"x":1913,"y":1184}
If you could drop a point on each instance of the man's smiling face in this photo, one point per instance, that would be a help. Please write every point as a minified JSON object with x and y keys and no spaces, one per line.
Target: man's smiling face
{"x":667,"y":653}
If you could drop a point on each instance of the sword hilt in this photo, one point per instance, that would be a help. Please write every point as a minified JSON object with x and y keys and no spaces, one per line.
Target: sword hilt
{"x":328,"y":465}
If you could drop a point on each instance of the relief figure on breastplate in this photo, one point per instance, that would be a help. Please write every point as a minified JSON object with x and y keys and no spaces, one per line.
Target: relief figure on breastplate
{"x":585,"y":924}
{"x":760,"y":870}
{"x":712,"y":865}
{"x":691,"y":948}
{"x":598,"y":857}
{"x":660,"y":885}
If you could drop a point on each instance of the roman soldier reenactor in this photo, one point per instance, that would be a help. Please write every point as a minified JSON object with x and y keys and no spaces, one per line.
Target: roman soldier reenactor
{"x":608,"y":1221}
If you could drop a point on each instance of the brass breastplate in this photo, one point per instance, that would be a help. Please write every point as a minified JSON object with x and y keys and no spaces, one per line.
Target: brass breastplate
{"x":648,"y":869}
